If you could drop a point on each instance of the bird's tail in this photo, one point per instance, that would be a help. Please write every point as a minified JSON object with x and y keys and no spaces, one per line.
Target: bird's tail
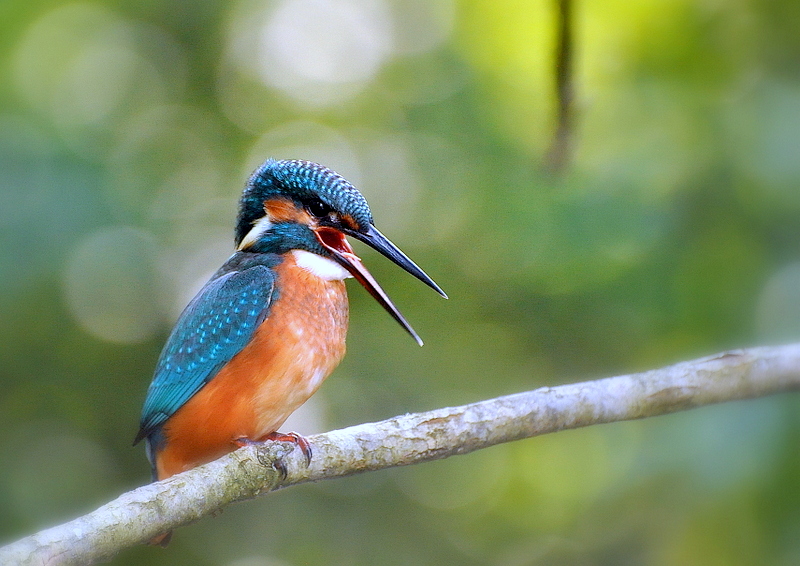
{"x":161,"y":540}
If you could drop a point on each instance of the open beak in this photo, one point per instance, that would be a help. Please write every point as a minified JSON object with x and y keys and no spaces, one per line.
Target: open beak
{"x":334,"y":241}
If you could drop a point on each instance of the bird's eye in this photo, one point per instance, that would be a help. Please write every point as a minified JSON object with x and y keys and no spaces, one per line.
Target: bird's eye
{"x":318,"y":208}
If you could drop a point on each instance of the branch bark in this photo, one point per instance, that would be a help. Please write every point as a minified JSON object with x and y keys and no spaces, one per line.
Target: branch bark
{"x":137,"y":516}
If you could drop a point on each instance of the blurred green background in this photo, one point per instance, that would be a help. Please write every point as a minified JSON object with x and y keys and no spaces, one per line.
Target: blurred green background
{"x":127,"y":130}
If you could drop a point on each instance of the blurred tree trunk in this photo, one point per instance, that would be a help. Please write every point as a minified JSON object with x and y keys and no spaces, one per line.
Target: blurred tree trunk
{"x":560,"y":153}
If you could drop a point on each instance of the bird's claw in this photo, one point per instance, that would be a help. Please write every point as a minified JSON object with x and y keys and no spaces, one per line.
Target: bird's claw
{"x":278,"y":464}
{"x":295,"y":439}
{"x":280,"y":467}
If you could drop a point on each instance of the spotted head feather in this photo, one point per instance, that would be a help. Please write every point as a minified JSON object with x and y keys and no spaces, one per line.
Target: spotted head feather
{"x":303,"y":182}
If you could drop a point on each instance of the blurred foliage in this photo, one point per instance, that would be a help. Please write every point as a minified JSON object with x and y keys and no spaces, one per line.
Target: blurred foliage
{"x":127,"y":130}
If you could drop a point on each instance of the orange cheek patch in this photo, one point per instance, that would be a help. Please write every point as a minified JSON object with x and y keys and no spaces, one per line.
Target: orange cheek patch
{"x":285,"y":210}
{"x":349,"y":221}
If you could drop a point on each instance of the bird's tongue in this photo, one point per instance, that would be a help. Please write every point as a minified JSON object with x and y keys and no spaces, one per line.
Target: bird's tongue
{"x":335,"y":242}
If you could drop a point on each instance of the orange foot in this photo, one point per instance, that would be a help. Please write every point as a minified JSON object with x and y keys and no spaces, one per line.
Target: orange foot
{"x":292,"y":437}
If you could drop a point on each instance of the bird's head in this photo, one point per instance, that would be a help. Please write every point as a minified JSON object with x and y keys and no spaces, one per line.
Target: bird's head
{"x":299,"y":205}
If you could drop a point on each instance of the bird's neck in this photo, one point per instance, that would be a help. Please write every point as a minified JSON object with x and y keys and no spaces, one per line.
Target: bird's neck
{"x":324,"y":268}
{"x":316,"y":265}
{"x":287,"y":238}
{"x":280,"y":238}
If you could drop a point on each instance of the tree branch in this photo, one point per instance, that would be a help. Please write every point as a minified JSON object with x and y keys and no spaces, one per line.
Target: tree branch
{"x":137,"y":516}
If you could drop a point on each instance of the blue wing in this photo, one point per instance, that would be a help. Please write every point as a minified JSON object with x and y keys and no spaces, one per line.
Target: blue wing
{"x":214,"y":327}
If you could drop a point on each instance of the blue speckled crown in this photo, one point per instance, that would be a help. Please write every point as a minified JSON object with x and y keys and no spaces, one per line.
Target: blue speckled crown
{"x":302,"y":181}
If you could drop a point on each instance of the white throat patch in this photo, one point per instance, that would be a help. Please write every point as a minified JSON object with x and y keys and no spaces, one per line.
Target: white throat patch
{"x":322,"y":267}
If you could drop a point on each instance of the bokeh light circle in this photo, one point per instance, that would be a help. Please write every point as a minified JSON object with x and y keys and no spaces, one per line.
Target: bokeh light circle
{"x":109,"y":284}
{"x":318,"y":53}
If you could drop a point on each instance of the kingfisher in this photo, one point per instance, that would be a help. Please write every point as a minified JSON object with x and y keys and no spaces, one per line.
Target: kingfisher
{"x":269,"y":326}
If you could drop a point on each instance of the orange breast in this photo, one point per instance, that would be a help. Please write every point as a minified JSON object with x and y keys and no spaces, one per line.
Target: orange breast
{"x":292,"y":352}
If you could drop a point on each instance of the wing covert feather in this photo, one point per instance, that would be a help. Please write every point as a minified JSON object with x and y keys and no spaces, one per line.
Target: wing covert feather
{"x":216,"y":325}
